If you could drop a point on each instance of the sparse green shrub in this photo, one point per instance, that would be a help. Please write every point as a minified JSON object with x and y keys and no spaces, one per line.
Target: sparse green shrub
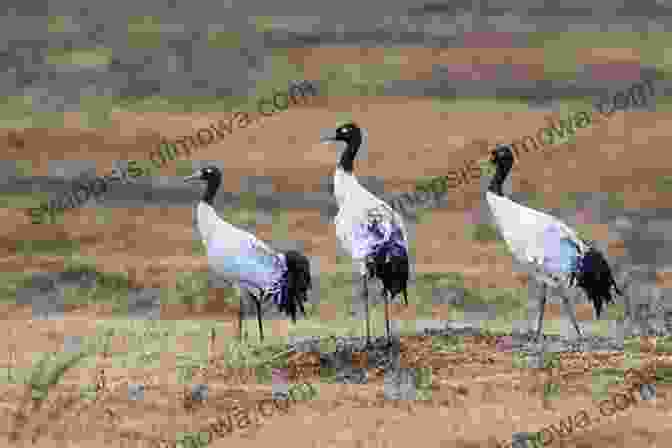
{"x":423,"y":384}
{"x":45,"y":375}
{"x":448,"y":344}
{"x":484,"y":233}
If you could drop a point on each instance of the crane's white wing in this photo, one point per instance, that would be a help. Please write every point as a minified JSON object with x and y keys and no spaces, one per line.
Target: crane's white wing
{"x":536,"y":238}
{"x":363,"y":220}
{"x":234,"y":254}
{"x":363,"y":224}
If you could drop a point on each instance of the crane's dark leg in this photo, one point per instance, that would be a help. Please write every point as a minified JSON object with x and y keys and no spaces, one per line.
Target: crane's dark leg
{"x":261,"y":327}
{"x":240,"y":316}
{"x":405,"y":297}
{"x":303,"y":311}
{"x":542,"y":304}
{"x":365,"y":294}
{"x":387,"y":319}
{"x":211,"y":346}
{"x":572,"y":314}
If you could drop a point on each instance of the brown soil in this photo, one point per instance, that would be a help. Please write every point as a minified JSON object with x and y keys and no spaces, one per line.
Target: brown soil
{"x":468,"y":387}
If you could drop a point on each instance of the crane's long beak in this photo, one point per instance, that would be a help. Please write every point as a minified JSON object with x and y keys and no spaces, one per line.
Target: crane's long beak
{"x":327,"y":139}
{"x":193,"y":177}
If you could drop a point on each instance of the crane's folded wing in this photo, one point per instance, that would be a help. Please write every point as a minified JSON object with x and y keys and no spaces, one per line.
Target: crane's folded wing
{"x":251,"y":265}
{"x":535,"y":237}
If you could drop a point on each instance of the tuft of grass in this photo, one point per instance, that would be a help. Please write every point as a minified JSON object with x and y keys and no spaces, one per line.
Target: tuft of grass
{"x":664,"y":184}
{"x":447,"y":344}
{"x":423,"y":215}
{"x":51,"y":247}
{"x":183,"y":168}
{"x":569,"y":200}
{"x":263,"y":23}
{"x":24,"y":168}
{"x":616,"y":200}
{"x":192,"y":439}
{"x":423,"y":383}
{"x":664,"y":344}
{"x":59,"y":24}
{"x":551,"y":360}
{"x":198,"y":249}
{"x":22,"y":200}
{"x":104,"y":216}
{"x":510,"y":303}
{"x":88,"y":392}
{"x":224,"y":39}
{"x":484,"y":233}
{"x":91,"y":57}
{"x":190,"y":288}
{"x":486,"y":167}
{"x":47,"y":373}
{"x":328,"y":375}
{"x":244,"y":361}
{"x":10,"y":282}
{"x":603,"y":378}
{"x":519,"y":360}
{"x":535,"y":200}
{"x":144,"y":32}
{"x":304,"y":391}
{"x":110,"y":287}
{"x":583,"y":231}
{"x":664,"y":375}
{"x":551,"y":390}
{"x":17,"y":112}
{"x":353,"y":79}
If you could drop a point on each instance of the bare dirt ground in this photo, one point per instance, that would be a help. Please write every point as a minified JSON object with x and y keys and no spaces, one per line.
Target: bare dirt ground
{"x":480,"y":398}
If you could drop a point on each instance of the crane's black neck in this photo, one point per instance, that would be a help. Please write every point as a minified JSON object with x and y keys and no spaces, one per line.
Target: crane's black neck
{"x":503,"y":169}
{"x":211,"y":190}
{"x":348,"y":156}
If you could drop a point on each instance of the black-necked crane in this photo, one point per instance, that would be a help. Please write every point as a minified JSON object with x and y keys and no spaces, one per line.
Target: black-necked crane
{"x":551,"y":251}
{"x":241,"y":258}
{"x":369,"y":229}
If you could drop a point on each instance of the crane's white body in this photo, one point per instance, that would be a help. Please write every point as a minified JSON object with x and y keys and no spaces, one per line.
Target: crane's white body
{"x":236,"y":255}
{"x":547,"y":247}
{"x":358,"y":209}
{"x":535,"y":239}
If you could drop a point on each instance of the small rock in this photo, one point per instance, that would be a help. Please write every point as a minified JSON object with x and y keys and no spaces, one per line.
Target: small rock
{"x":519,"y":439}
{"x":647,"y":391}
{"x":448,"y":296}
{"x":279,"y":395}
{"x":199,"y":392}
{"x":72,"y":344}
{"x":136,"y":391}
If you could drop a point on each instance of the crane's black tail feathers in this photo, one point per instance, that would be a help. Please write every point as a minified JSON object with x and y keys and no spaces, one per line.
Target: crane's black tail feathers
{"x":391,"y":266}
{"x":298,"y":283}
{"x":595,"y":278}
